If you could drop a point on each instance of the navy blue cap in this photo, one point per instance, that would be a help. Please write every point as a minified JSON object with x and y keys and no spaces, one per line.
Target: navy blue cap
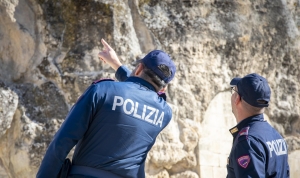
{"x":254,"y":89}
{"x":154,"y":59}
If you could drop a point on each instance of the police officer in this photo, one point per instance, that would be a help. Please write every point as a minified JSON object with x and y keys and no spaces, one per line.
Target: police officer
{"x":114,"y":124}
{"x":258,"y":149}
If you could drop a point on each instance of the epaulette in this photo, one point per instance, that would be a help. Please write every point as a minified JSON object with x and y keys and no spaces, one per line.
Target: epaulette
{"x":244,"y":131}
{"x":243,"y":134}
{"x":233,"y":130}
{"x":102,"y":80}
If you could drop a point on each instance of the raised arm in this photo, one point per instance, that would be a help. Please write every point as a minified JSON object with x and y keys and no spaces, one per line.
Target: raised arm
{"x":109,"y":56}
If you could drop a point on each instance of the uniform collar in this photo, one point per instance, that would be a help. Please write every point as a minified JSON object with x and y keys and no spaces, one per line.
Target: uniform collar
{"x":142,"y":82}
{"x":235,"y":130}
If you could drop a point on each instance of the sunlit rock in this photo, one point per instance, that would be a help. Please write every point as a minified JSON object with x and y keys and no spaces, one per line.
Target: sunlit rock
{"x":48,"y":57}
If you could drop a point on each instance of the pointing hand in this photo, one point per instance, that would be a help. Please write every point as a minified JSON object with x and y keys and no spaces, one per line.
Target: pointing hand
{"x":109,"y":56}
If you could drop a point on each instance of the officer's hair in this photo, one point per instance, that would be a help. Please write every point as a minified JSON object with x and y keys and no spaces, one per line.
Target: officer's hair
{"x":252,"y":109}
{"x":148,"y":74}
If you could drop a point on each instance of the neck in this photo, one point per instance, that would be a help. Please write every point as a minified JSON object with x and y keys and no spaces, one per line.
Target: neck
{"x":241,"y":115}
{"x":142,"y":81}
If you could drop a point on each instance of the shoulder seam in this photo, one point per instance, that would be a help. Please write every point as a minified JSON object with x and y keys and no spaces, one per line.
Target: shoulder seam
{"x":102,"y":80}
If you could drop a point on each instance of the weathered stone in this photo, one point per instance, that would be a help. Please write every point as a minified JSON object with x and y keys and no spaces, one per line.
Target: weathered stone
{"x":186,"y":174}
{"x":294,"y":161}
{"x":8,"y":106}
{"x":48,"y":57}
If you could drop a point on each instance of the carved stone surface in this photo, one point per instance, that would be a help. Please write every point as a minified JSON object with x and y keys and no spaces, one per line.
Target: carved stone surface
{"x":48,"y":57}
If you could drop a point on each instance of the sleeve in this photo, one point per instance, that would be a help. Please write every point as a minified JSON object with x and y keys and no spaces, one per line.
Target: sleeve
{"x":122,"y":73}
{"x":71,"y":131}
{"x":249,"y":158}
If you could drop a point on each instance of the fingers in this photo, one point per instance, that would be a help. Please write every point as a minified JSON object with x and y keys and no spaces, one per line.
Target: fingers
{"x":100,"y":57}
{"x":105,"y":44}
{"x":108,"y":55}
{"x":103,"y":60}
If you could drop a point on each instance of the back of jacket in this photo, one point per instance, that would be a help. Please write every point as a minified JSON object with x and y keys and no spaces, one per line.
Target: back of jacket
{"x":275,"y":149}
{"x":114,"y":124}
{"x":258,"y":151}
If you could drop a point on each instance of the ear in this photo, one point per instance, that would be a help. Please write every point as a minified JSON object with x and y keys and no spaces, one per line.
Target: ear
{"x":139,"y":69}
{"x":237,"y":99}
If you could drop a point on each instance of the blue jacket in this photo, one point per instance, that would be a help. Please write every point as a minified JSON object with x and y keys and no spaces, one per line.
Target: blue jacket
{"x":258,"y":151}
{"x":113,"y":125}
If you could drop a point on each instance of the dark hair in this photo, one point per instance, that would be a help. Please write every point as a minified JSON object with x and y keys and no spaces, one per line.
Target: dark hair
{"x":151,"y":76}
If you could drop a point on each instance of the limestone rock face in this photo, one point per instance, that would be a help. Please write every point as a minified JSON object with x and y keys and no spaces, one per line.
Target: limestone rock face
{"x":8,"y":105}
{"x":48,"y":57}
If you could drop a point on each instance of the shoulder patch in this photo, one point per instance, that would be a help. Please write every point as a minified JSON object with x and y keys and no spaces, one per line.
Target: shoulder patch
{"x":244,"y":131}
{"x":244,"y":161}
{"x":102,"y":80}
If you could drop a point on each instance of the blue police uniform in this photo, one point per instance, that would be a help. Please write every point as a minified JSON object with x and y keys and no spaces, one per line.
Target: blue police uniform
{"x":258,"y":151}
{"x":113,"y":125}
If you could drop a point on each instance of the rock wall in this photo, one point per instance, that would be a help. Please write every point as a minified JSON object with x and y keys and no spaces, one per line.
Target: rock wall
{"x":48,"y":57}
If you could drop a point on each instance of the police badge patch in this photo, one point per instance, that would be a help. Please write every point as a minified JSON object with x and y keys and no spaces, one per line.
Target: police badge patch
{"x":244,"y":161}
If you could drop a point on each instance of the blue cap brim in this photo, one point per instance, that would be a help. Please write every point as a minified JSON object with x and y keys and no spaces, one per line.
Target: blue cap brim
{"x":235,"y":81}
